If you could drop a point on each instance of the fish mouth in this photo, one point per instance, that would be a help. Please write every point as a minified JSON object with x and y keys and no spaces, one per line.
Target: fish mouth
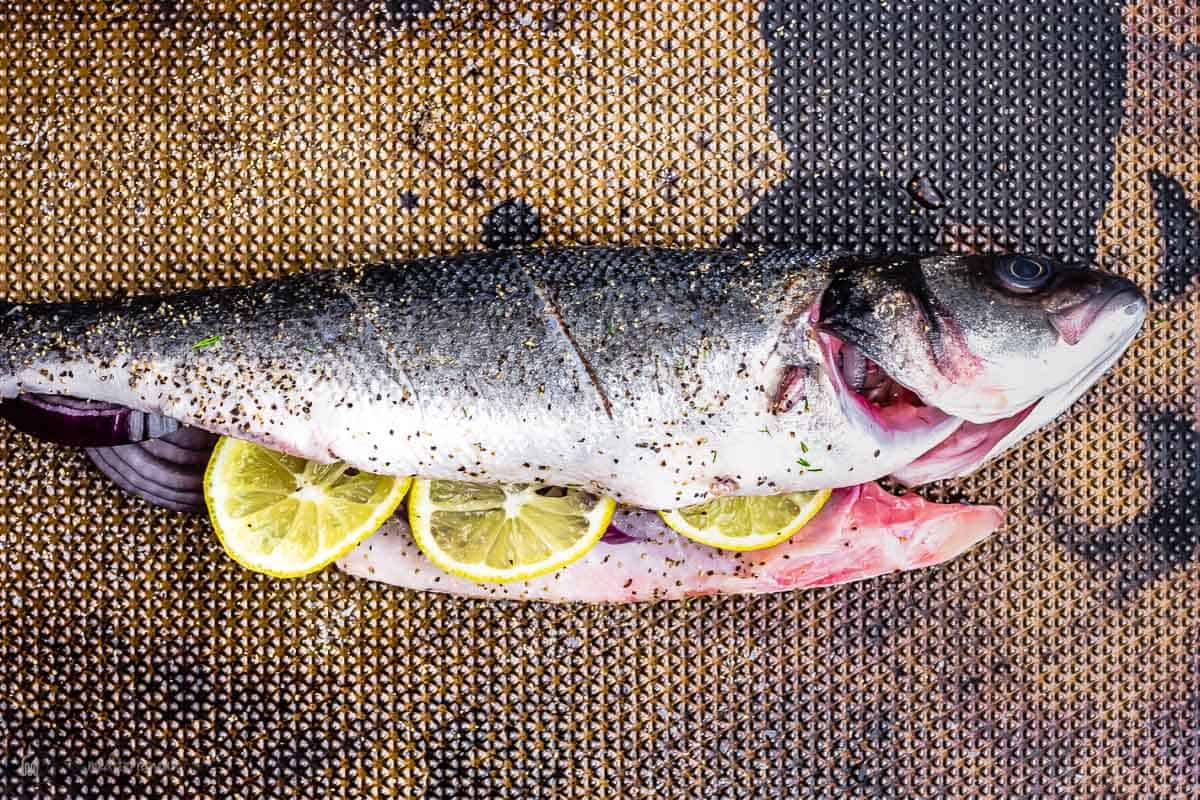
{"x":873,"y":395}
{"x":969,"y":446}
{"x":1074,"y":322}
{"x":893,"y":408}
{"x":1057,"y":400}
{"x":972,"y":444}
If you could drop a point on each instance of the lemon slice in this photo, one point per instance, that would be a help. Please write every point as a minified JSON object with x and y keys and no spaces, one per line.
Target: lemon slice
{"x":496,"y":533}
{"x":286,"y":516}
{"x":746,"y":523}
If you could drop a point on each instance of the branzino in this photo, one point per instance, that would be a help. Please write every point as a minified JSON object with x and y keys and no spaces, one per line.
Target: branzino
{"x":659,"y":377}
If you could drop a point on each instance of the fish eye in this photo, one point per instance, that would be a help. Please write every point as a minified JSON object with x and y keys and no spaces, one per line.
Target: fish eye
{"x":1023,"y":274}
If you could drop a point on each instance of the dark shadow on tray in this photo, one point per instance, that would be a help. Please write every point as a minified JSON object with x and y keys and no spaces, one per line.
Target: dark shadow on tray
{"x":1179,"y":223}
{"x":1011,"y":119}
{"x":1164,"y":536}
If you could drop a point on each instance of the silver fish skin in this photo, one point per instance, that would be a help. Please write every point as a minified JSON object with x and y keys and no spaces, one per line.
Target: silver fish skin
{"x":659,"y":377}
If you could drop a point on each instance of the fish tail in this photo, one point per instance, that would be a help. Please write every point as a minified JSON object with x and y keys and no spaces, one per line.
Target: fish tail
{"x":12,"y":316}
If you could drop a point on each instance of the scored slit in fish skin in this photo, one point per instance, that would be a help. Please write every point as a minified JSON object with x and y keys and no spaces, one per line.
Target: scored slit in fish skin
{"x":660,"y":377}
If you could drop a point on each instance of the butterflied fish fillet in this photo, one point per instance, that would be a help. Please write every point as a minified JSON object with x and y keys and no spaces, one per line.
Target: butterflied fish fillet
{"x":862,"y":532}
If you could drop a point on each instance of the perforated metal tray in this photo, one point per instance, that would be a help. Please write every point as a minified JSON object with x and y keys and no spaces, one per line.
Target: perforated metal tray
{"x":148,"y":146}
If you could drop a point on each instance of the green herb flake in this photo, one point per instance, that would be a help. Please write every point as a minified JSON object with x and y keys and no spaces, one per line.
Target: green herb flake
{"x":803,"y":447}
{"x":207,"y":341}
{"x":714,"y":455}
{"x":804,"y":463}
{"x":765,"y":430}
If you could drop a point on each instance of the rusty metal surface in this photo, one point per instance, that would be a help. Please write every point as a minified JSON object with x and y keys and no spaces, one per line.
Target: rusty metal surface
{"x":146,"y":146}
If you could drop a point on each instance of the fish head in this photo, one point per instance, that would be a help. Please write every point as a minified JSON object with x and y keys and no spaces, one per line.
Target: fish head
{"x":1003,"y":342}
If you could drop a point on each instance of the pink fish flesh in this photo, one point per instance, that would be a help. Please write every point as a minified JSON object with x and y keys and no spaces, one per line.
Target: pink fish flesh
{"x":862,"y":532}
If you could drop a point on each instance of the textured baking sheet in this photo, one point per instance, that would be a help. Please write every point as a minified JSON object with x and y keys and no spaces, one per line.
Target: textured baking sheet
{"x":147,"y":146}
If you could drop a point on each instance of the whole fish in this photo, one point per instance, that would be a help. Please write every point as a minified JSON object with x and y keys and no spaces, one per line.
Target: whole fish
{"x":660,"y":377}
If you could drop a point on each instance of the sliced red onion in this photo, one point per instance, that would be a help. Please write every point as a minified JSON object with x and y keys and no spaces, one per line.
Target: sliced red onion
{"x":634,"y":525}
{"x":83,"y":423}
{"x":614,"y":535}
{"x":164,"y":449}
{"x":167,"y":472}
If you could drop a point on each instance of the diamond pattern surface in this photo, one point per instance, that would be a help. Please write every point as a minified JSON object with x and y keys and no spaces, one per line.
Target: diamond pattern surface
{"x":181,"y":143}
